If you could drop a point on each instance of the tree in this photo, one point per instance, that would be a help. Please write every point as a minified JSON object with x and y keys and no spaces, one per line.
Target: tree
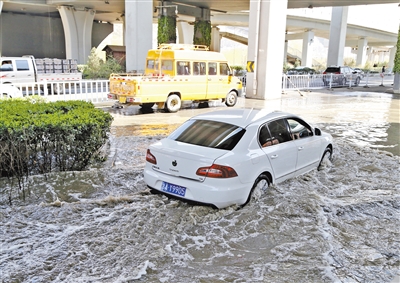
{"x":202,"y":33}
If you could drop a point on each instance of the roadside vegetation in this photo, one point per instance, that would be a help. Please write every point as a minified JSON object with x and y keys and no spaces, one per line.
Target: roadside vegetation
{"x":97,"y":68}
{"x":37,"y":137}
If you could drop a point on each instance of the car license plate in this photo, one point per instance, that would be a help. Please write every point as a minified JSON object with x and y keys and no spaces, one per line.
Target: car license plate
{"x":173,"y":189}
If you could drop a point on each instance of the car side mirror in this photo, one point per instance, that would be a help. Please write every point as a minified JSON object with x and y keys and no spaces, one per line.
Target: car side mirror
{"x":317,"y":131}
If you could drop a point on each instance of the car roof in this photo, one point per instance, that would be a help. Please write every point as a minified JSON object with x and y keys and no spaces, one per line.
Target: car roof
{"x":242,"y":117}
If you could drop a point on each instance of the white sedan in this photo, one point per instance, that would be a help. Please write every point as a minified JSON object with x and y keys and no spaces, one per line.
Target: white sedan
{"x":219,"y":158}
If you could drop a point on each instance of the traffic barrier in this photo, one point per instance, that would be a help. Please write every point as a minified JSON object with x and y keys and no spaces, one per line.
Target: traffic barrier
{"x":94,"y":91}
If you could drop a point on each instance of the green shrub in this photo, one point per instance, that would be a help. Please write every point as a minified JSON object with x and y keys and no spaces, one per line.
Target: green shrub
{"x":96,"y":68}
{"x":37,"y":138}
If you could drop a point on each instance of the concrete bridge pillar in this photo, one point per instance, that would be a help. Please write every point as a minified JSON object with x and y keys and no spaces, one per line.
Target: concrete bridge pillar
{"x":78,"y":32}
{"x":370,"y":54}
{"x":381,"y":56}
{"x":138,"y":33}
{"x":337,"y":36}
{"x":285,"y":52}
{"x":362,"y":51}
{"x":267,"y":24}
{"x":392,"y":54}
{"x":185,"y":32}
{"x":215,"y":40}
{"x":307,"y":51}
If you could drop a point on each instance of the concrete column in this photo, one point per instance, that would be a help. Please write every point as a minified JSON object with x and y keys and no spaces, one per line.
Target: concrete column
{"x":267,"y":24}
{"x":185,"y":32}
{"x":337,"y":36}
{"x":392,"y":54}
{"x":381,"y":56}
{"x":285,"y":52}
{"x":370,"y":54}
{"x":306,"y":54}
{"x":362,"y":51}
{"x":138,"y":33}
{"x":78,"y":32}
{"x":215,"y":40}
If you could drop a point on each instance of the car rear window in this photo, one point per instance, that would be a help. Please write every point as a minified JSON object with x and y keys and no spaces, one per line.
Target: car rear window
{"x":332,"y":70}
{"x":209,"y":134}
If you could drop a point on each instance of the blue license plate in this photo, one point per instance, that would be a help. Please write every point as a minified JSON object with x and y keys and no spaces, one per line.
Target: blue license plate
{"x":173,"y":189}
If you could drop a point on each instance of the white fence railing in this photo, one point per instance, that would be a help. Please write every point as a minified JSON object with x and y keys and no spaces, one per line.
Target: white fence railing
{"x":318,"y":81}
{"x":88,"y":90}
{"x":96,"y":90}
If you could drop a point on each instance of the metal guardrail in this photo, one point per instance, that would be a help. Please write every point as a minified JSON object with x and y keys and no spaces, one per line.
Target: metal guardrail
{"x":94,"y":91}
{"x":320,"y":81}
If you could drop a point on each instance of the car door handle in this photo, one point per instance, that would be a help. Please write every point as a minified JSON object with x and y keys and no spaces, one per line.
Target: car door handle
{"x":301,"y":148}
{"x":274,"y":156}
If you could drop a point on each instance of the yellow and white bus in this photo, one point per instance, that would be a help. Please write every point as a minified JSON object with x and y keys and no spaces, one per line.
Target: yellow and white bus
{"x":176,"y":73}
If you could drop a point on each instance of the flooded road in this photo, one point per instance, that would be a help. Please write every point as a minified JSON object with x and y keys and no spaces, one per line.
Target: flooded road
{"x":341,"y":224}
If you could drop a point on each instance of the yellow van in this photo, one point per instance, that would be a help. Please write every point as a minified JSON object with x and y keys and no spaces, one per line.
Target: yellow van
{"x":176,"y":73}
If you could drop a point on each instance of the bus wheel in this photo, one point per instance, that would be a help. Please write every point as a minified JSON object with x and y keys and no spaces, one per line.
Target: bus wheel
{"x":231,"y":99}
{"x":173,"y":103}
{"x":147,"y":105}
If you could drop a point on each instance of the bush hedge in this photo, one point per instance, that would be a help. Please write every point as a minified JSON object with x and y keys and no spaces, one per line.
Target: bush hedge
{"x":37,"y":138}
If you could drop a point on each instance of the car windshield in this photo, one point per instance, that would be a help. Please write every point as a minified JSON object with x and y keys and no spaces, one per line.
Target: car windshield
{"x":209,"y":134}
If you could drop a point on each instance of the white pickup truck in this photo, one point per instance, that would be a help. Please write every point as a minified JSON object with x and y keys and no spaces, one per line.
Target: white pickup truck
{"x":27,"y":69}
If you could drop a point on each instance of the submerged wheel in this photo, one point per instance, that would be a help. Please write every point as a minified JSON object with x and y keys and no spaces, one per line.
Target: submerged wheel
{"x":231,"y":99}
{"x":261,"y":184}
{"x":325,"y":160}
{"x":173,"y":103}
{"x":147,"y":105}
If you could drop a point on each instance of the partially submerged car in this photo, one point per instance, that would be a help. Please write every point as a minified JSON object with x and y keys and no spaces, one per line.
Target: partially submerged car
{"x":220,"y":158}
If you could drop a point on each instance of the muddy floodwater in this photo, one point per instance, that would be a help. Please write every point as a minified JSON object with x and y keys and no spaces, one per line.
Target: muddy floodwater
{"x":341,"y":224}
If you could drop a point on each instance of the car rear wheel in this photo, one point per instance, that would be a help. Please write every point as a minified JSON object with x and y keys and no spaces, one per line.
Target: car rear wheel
{"x":173,"y":103}
{"x":261,"y":184}
{"x":325,"y":160}
{"x":231,"y":99}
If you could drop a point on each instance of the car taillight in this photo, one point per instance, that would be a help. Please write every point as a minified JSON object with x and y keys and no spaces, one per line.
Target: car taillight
{"x":217,"y":171}
{"x":324,"y":73}
{"x":337,"y":73}
{"x":150,"y":157}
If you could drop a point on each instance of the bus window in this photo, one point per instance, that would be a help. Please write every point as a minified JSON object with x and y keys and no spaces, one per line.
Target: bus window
{"x":166,"y":65}
{"x":212,"y":69}
{"x":150,"y":64}
{"x":183,"y":68}
{"x":223,"y":69}
{"x":199,"y":68}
